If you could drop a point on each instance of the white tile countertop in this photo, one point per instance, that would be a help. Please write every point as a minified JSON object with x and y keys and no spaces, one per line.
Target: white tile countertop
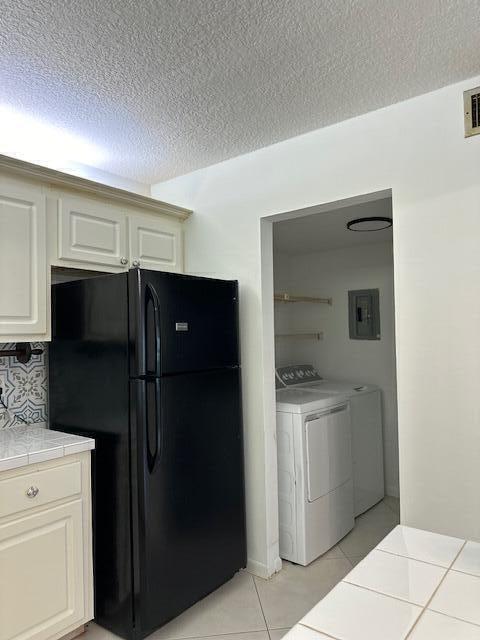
{"x":23,"y":445}
{"x":414,"y":584}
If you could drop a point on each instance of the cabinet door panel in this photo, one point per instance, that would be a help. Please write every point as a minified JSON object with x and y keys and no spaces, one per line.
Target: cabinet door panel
{"x":91,"y":232}
{"x":41,"y":573}
{"x":156,"y":243}
{"x":23,"y":262}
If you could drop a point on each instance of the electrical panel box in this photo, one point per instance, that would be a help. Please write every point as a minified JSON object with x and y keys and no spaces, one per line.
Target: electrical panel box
{"x":364,"y":314}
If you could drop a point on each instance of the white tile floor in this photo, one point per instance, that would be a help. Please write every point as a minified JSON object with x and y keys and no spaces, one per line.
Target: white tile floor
{"x":347,"y":613}
{"x":414,"y":590}
{"x":248,"y":608}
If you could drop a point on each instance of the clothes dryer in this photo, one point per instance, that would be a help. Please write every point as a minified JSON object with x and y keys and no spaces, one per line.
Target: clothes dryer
{"x":314,"y":472}
{"x":367,"y":431}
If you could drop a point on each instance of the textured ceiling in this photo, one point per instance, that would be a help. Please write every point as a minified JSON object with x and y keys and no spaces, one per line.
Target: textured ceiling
{"x":163,"y":87}
{"x":327,"y":231}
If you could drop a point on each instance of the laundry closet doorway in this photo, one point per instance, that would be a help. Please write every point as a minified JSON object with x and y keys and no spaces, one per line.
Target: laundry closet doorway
{"x":333,"y":324}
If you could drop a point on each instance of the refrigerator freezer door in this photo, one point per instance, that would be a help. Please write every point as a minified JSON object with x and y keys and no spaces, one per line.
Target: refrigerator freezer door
{"x":181,"y":323}
{"x":189,"y":525}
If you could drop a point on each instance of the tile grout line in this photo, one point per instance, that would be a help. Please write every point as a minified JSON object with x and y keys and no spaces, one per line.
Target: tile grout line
{"x":261,"y":608}
{"x":386,"y":595}
{"x":465,"y":573}
{"x":344,"y":555}
{"x":447,"y":615}
{"x":425,"y":608}
{"x":306,"y":626}
{"x":398,"y":555}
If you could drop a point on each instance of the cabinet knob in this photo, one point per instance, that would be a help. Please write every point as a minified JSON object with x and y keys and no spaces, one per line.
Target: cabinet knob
{"x":123,"y":261}
{"x":32,"y":492}
{"x":136,"y":263}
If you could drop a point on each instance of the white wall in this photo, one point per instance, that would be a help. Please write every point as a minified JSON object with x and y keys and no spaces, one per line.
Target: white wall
{"x":417,"y":149}
{"x":332,"y":274}
{"x":105,"y":177}
{"x":285,"y":350}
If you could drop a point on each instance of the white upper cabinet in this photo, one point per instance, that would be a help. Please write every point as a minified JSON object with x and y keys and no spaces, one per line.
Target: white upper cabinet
{"x":155,"y":243}
{"x":24,"y":299}
{"x":91,"y":232}
{"x":104,"y":237}
{"x":50,"y":219}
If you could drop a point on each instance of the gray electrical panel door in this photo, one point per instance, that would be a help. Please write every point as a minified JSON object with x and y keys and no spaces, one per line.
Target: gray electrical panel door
{"x":364,"y":314}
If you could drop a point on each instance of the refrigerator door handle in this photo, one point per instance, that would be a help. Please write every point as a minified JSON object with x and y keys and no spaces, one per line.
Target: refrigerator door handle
{"x":158,"y":425}
{"x":151,"y":297}
{"x":154,"y":450}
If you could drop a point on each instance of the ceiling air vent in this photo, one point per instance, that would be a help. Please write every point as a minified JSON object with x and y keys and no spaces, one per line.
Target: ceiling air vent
{"x":471,"y":100}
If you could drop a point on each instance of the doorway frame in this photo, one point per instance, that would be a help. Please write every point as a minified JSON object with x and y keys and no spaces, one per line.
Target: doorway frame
{"x":274,"y":562}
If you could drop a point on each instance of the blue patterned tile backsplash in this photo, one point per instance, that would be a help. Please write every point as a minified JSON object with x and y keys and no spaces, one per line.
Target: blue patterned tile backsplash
{"x":24,"y":388}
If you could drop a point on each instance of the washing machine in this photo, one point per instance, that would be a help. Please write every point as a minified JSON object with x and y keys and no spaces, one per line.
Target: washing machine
{"x":314,"y":472}
{"x":367,"y":432}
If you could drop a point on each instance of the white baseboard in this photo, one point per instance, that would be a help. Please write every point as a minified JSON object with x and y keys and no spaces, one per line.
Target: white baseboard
{"x":392,"y":491}
{"x":278,"y":564}
{"x":261,"y":570}
{"x":257,"y":569}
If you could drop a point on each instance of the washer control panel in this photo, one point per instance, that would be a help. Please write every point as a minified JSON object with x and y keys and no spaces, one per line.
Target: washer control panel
{"x":296,"y":374}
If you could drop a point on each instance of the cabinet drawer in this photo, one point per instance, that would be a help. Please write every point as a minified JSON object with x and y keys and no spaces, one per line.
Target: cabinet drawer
{"x":37,"y":488}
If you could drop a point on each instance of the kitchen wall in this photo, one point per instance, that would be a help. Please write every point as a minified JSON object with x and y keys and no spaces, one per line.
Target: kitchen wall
{"x":417,"y":150}
{"x":332,"y":274}
{"x":24,"y":388}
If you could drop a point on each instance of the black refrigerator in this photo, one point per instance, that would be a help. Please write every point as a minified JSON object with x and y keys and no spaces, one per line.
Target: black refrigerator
{"x":147,"y":363}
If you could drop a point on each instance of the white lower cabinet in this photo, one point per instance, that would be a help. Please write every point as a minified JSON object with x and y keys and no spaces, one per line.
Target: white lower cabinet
{"x":25,"y":295}
{"x":44,"y":555}
{"x":46,"y":580}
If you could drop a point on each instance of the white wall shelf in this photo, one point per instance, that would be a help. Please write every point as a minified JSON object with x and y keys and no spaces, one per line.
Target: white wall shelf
{"x":287,"y":297}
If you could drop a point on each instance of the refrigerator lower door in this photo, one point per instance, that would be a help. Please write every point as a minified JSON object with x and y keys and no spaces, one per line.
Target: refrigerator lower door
{"x":189,"y":518}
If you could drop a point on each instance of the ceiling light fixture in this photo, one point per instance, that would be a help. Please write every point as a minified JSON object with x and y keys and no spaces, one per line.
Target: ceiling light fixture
{"x":375,"y":223}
